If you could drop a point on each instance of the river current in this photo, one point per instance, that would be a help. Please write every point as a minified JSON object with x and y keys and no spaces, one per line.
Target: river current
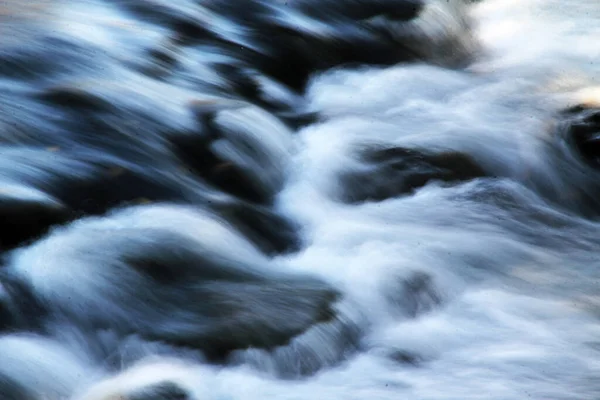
{"x":486,"y":288}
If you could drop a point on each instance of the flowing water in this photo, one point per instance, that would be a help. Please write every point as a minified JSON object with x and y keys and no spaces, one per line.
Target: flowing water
{"x":519,"y":278}
{"x":508,"y":263}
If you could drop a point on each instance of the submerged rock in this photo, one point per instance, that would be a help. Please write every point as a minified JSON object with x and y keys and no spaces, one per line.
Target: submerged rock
{"x":583,"y":131}
{"x":202,"y":285}
{"x":391,"y":172}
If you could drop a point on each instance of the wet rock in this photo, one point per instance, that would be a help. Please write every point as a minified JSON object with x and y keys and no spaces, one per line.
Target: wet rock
{"x":413,"y":295}
{"x":25,"y":217}
{"x":195,"y":151}
{"x":392,"y":172}
{"x":20,"y":311}
{"x":185,"y":18}
{"x":269,"y":231}
{"x":234,"y":152}
{"x":161,"y":391}
{"x":181,"y":289}
{"x":110,"y":187}
{"x":75,"y":97}
{"x":323,"y":345}
{"x":41,"y":188}
{"x":405,"y":357}
{"x":292,"y":41}
{"x":582,"y":128}
{"x":361,"y":9}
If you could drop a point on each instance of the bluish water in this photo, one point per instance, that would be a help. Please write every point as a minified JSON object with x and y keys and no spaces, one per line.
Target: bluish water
{"x":512,"y":306}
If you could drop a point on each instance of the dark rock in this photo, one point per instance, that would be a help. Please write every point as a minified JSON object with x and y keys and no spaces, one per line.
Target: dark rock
{"x":323,"y":345}
{"x":75,"y":97}
{"x":291,"y":53}
{"x":169,"y":288}
{"x":268,"y":230}
{"x":405,"y":357}
{"x":391,"y":172}
{"x":24,"y":219}
{"x":19,"y":308}
{"x":160,"y":391}
{"x":583,"y":132}
{"x":195,"y":151}
{"x":233,"y":161}
{"x":413,"y":295}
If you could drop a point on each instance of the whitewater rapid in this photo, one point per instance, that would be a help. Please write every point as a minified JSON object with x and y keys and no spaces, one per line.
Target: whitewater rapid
{"x":485,"y":289}
{"x":517,"y":313}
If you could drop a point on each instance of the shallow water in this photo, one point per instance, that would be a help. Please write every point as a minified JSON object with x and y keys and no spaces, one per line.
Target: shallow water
{"x":519,"y":316}
{"x":512,"y":309}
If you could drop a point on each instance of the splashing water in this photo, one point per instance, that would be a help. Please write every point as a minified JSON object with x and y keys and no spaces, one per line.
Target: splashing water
{"x":483,"y":289}
{"x":517,"y":277}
